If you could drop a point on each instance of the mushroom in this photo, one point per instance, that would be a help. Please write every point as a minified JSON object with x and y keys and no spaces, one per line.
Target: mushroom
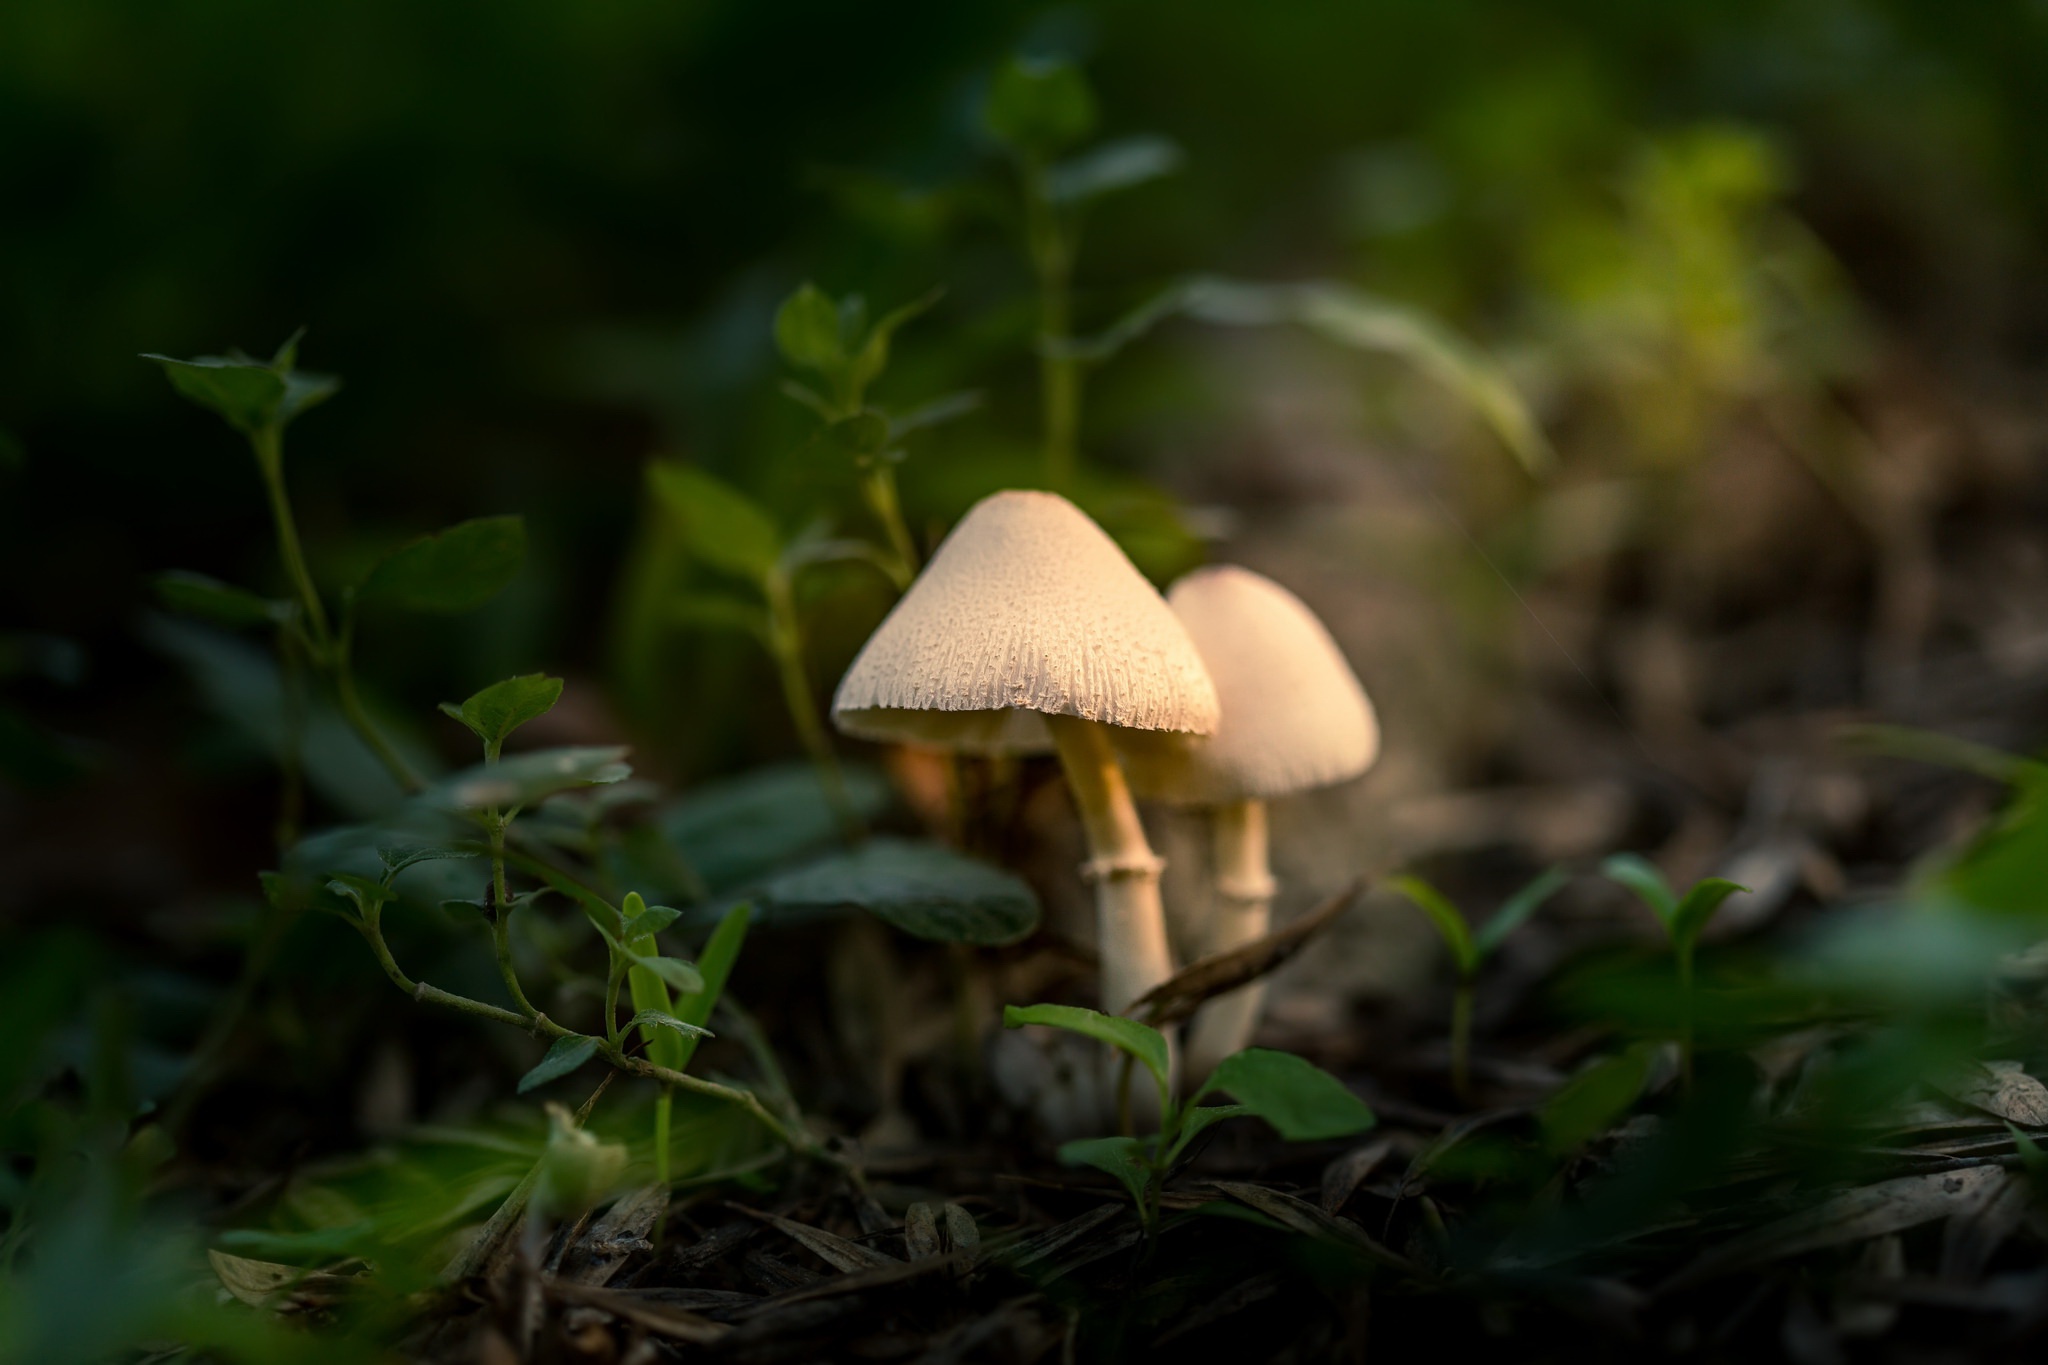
{"x":1030,"y":630}
{"x":1294,"y":718}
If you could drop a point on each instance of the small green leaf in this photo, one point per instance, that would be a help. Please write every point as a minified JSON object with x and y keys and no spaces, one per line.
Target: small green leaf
{"x":194,"y":594}
{"x":251,"y":394}
{"x":807,"y":330}
{"x":397,"y":860}
{"x":1449,"y":923}
{"x":714,"y":965}
{"x":503,"y":707}
{"x":721,"y":526}
{"x":1117,"y":165}
{"x":1196,"y":1121}
{"x":1141,"y":1041}
{"x":662,"y":1019}
{"x":1122,"y":1157}
{"x":1039,"y":107}
{"x":873,"y":356}
{"x":652,"y":919}
{"x":926,"y":890}
{"x":563,"y":1057}
{"x":245,"y":392}
{"x":1636,"y":873}
{"x":1590,"y":1102}
{"x":367,"y":894}
{"x":527,"y":778}
{"x":1518,"y":908}
{"x":1302,"y":1101}
{"x":674,"y":973}
{"x":1698,"y":907}
{"x":455,"y":570}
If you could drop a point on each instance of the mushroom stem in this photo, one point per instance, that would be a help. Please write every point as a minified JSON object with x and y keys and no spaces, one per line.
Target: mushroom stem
{"x":1243,"y":911}
{"x":1130,"y":922}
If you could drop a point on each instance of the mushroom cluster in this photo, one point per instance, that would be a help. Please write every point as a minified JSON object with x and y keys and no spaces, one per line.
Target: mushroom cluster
{"x":1031,"y":631}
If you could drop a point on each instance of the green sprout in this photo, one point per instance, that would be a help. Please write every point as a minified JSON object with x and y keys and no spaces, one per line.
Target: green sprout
{"x":1301,"y":1101}
{"x":1684,"y":919}
{"x":1470,"y":949}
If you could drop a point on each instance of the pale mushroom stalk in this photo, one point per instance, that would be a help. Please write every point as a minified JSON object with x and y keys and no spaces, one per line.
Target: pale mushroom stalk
{"x":1242,"y":877}
{"x":1129,"y":918}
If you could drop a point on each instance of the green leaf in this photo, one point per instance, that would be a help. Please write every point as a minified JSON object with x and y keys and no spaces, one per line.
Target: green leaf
{"x":714,"y":965}
{"x":1039,"y":107}
{"x":455,"y":570}
{"x":1698,"y":907}
{"x":251,"y":394}
{"x":397,"y":860}
{"x":1117,"y":165}
{"x":926,"y":890}
{"x":740,"y":829}
{"x":674,"y":973}
{"x":563,"y":1057}
{"x":807,"y":330}
{"x":1196,"y":1121}
{"x":503,"y":707}
{"x":1122,"y":1157}
{"x":873,"y":357}
{"x":1636,"y":873}
{"x":527,"y":778}
{"x":194,"y":594}
{"x":1518,"y":908}
{"x":1449,"y":923}
{"x":244,"y":392}
{"x":721,"y":526}
{"x":1302,"y":1101}
{"x":366,"y":893}
{"x":651,"y":919}
{"x":1590,"y":1102}
{"x":1141,"y":1041}
{"x":1355,"y":320}
{"x":660,"y":1019}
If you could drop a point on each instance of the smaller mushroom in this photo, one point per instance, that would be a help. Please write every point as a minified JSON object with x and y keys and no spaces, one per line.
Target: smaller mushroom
{"x":1294,"y":718}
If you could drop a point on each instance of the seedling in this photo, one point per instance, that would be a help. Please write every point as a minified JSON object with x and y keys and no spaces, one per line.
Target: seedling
{"x":1684,"y":919}
{"x":1470,"y":949}
{"x":1301,"y":1101}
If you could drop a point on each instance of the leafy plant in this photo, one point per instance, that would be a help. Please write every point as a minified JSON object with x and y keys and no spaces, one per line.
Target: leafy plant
{"x":1470,"y":948}
{"x":1684,"y":919}
{"x":1302,"y":1102}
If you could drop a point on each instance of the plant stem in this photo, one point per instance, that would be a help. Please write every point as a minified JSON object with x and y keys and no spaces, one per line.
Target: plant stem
{"x":878,"y":489}
{"x":1461,"y":1039}
{"x":791,"y":1134}
{"x":353,"y":711}
{"x":785,"y":642}
{"x":291,"y":801}
{"x":1684,"y":955}
{"x":1052,"y":258}
{"x":268,"y":443}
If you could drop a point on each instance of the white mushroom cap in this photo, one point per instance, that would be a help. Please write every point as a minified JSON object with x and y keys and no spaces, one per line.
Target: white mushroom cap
{"x":1294,"y":714}
{"x":1027,"y":609}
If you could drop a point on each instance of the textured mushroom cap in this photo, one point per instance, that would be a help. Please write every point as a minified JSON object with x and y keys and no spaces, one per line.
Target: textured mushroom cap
{"x":1294,"y":715}
{"x":1028,"y":609}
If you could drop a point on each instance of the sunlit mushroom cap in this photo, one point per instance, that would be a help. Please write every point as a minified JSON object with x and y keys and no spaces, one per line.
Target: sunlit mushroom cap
{"x":1028,"y":609}
{"x":1294,"y":714}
